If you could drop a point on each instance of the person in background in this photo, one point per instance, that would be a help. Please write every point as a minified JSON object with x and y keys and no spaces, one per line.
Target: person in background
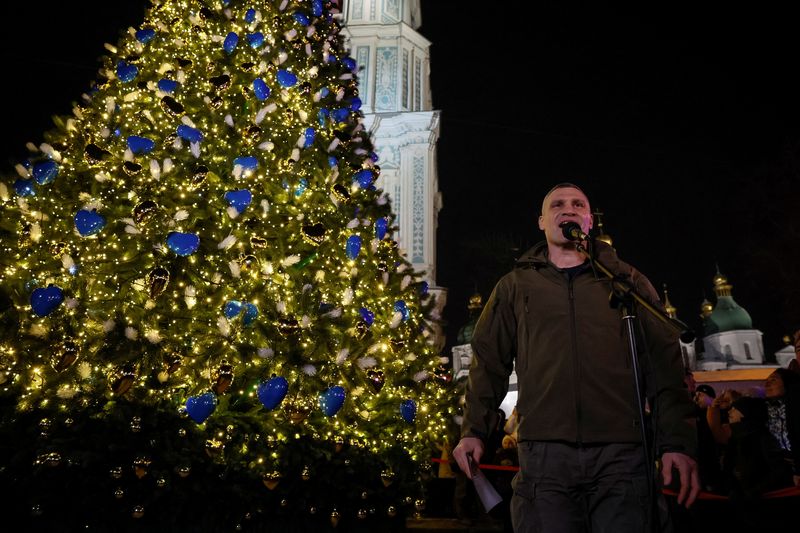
{"x":753,"y":464}
{"x":581,"y":456}
{"x":708,"y":450}
{"x":794,"y":364}
{"x":782,"y":391}
{"x":717,"y":415}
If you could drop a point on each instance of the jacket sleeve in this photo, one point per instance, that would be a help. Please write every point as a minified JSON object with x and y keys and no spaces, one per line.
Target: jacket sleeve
{"x":672,"y":408}
{"x":493,"y":349}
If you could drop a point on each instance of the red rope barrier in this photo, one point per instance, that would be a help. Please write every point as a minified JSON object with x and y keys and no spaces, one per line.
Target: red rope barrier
{"x":785,"y":492}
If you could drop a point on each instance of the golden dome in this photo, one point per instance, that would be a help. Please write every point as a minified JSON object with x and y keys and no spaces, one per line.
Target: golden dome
{"x":670,"y":309}
{"x":475,"y":301}
{"x":706,"y":308}
{"x":598,"y":225}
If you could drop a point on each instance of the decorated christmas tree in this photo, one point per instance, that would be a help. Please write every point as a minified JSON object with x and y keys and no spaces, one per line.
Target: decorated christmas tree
{"x":206,"y":321}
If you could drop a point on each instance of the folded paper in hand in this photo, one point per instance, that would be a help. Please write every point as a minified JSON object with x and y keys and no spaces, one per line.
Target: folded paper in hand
{"x":486,"y":491}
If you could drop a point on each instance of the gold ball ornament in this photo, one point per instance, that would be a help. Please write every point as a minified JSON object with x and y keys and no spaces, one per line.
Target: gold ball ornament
{"x":221,"y":82}
{"x":375,"y":379}
{"x":214,"y":448}
{"x":397,"y":345}
{"x":314,"y":233}
{"x":288,"y":326}
{"x":157,"y":281}
{"x":184,"y":470}
{"x":200,"y":175}
{"x":65,"y":354}
{"x":335,"y":518}
{"x":144,"y":211}
{"x":223,"y":378}
{"x":391,"y":511}
{"x":172,"y":360}
{"x":258,"y":242}
{"x":305,"y":475}
{"x":122,"y":379}
{"x":271,"y":479}
{"x":51,"y":459}
{"x":341,"y":193}
{"x":297,"y":410}
{"x":248,"y":263}
{"x":115,"y":472}
{"x":362,"y":514}
{"x":131,"y":168}
{"x":387,"y":477}
{"x":172,"y":106}
{"x":137,"y":511}
{"x":136,"y":424}
{"x":94,"y":154}
{"x":119,"y":493}
{"x":141,"y":465}
{"x":362,"y":330}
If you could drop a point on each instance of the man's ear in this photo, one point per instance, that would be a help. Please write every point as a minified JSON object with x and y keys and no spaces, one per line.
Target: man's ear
{"x":541,"y":222}
{"x":591,"y":221}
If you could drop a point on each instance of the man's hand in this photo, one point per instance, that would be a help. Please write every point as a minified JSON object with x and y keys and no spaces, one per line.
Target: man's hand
{"x":468,"y":453}
{"x":688,"y":475}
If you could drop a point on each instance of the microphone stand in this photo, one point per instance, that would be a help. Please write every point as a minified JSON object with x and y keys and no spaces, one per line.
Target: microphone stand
{"x":624,"y":294}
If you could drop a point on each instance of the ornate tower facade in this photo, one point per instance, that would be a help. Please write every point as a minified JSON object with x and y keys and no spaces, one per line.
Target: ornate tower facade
{"x":394,"y":63}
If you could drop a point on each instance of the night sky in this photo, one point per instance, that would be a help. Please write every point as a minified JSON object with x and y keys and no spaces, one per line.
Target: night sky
{"x":682,"y":126}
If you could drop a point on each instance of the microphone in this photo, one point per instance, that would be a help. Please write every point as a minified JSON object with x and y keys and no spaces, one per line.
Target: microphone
{"x":573,"y":232}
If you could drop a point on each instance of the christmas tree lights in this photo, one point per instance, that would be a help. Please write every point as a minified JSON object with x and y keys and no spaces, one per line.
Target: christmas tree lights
{"x":205,"y":317}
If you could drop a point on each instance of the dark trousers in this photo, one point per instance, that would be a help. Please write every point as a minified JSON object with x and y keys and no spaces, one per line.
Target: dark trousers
{"x":563,"y":488}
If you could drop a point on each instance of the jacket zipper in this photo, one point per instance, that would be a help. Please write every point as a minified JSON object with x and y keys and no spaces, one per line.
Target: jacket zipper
{"x":576,"y":361}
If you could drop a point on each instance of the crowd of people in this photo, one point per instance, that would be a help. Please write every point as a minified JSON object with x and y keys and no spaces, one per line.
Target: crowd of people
{"x":748,"y":447}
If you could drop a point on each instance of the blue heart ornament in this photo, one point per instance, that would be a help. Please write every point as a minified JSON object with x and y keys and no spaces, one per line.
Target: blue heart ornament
{"x":381,"y":225}
{"x":89,"y":222}
{"x":200,"y":407}
{"x":45,"y":172}
{"x":239,"y":199}
{"x":401,"y":307}
{"x":364,"y":177}
{"x":248,"y":163}
{"x":167,"y":85}
{"x":230,"y":43}
{"x":260,"y":89}
{"x":126,"y":72}
{"x":232,"y":309}
{"x":183,"y":244}
{"x":24,"y":187}
{"x":140,"y":145}
{"x":193,"y":135}
{"x":331,"y":400}
{"x":353,"y":246}
{"x":45,"y":300}
{"x":255,"y":40}
{"x":250,"y":313}
{"x":272,"y":392}
{"x":146,"y":35}
{"x":286,"y":79}
{"x":408,"y":410}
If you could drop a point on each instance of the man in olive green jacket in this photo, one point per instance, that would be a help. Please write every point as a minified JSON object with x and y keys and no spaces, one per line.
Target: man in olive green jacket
{"x":580,"y":438}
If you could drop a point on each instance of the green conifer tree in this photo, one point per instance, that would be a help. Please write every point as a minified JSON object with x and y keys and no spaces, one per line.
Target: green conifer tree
{"x":206,"y":322}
